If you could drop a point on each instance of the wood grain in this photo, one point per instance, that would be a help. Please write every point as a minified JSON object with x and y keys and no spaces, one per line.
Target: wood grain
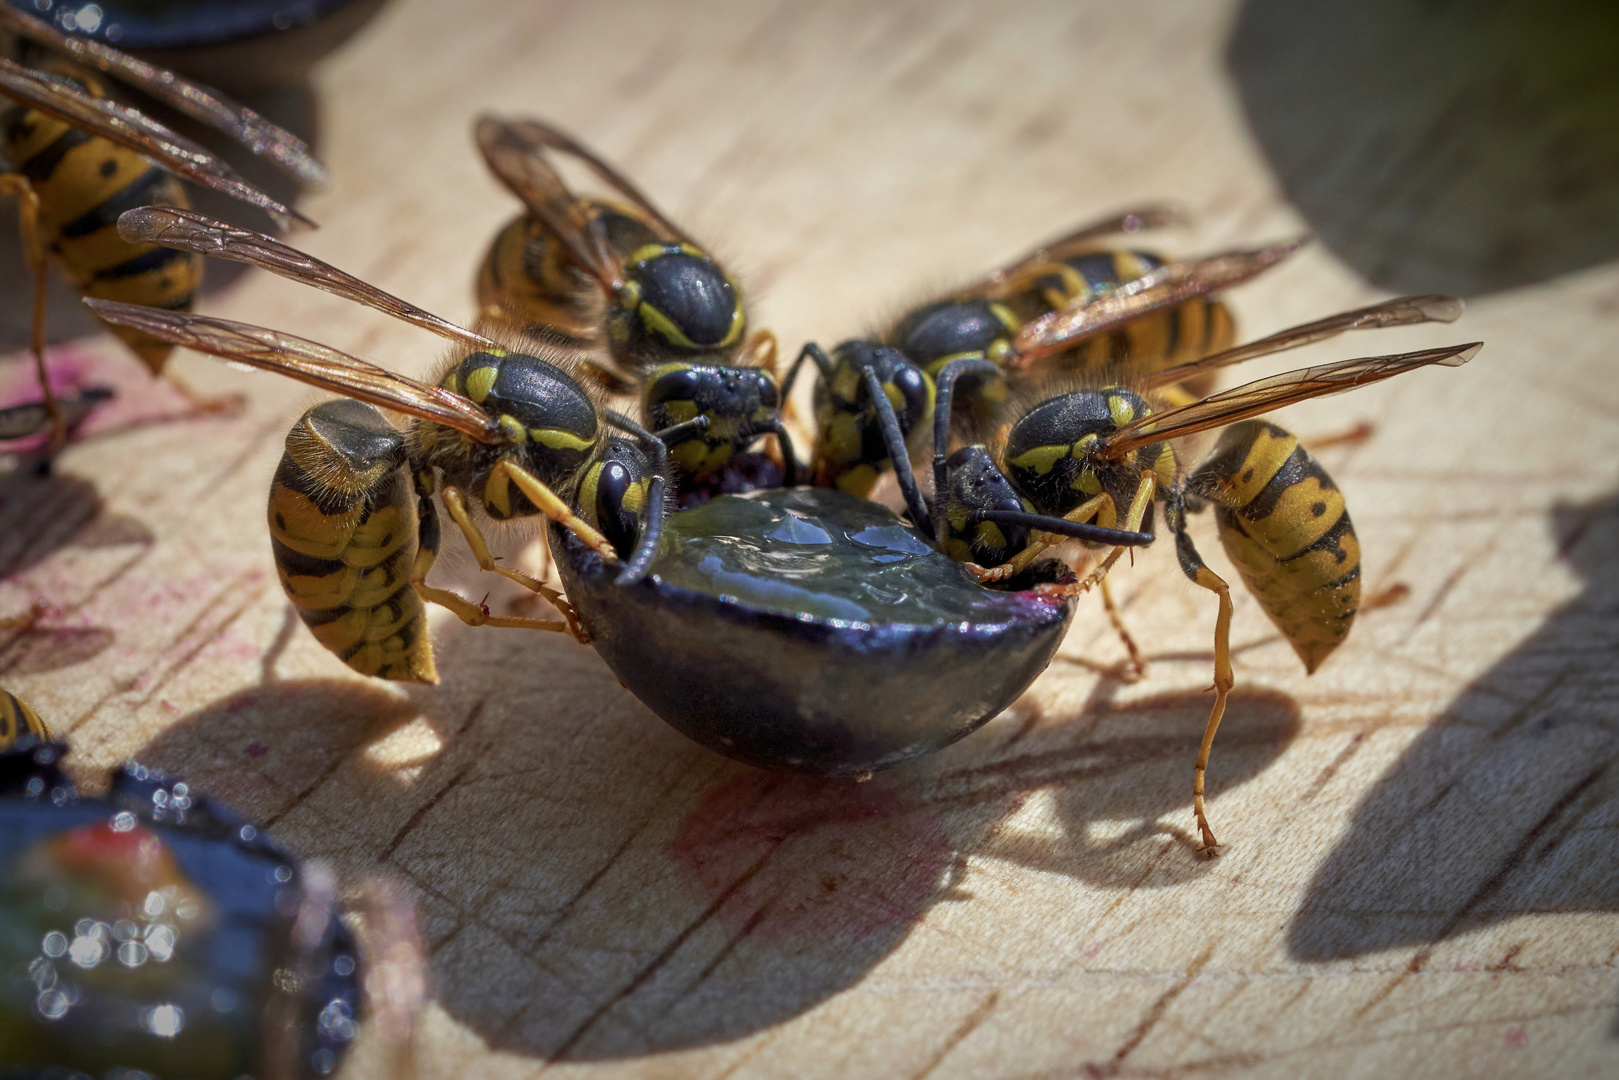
{"x":1422,"y":875}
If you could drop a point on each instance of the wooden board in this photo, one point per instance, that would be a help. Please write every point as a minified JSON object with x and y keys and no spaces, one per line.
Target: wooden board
{"x":1422,"y":874}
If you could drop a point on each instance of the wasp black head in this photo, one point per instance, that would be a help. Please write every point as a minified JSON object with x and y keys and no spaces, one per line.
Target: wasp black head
{"x":676,"y":300}
{"x":1051,"y":451}
{"x":738,"y":401}
{"x":975,"y":485}
{"x":850,"y":444}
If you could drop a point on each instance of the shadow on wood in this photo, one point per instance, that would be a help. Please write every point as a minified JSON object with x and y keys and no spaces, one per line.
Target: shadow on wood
{"x":40,"y":515}
{"x":1114,"y":770}
{"x":1508,"y":804}
{"x":1456,"y":148}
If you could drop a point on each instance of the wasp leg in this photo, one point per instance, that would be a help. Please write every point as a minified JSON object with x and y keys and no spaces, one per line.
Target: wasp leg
{"x":1138,"y":513}
{"x":17,"y":185}
{"x":1192,"y":566}
{"x":762,"y":351}
{"x":456,"y":504}
{"x":1350,"y":437}
{"x":205,"y":404}
{"x":1098,"y":506}
{"x":463,"y":609}
{"x":1138,"y":666}
{"x":552,"y":506}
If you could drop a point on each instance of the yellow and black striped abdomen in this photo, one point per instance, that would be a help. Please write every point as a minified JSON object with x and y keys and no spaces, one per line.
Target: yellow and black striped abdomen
{"x":17,"y":720}
{"x":1284,"y":524}
{"x":343,"y":526}
{"x":83,"y":184}
{"x":1157,"y":340}
{"x":528,"y":280}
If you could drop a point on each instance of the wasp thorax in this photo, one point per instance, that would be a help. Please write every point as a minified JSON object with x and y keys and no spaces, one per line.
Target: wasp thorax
{"x":1051,"y":453}
{"x":682,"y":297}
{"x":539,"y":406}
{"x":953,"y":328}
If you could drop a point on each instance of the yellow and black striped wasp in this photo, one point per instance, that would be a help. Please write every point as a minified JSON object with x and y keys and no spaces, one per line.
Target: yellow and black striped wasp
{"x":17,"y":720}
{"x":875,"y":396}
{"x":79,"y":159}
{"x":352,"y":509}
{"x":1099,"y":450}
{"x":621,"y":275}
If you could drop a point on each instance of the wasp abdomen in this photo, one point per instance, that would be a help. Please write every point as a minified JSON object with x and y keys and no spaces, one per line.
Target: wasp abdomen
{"x":17,"y":720}
{"x":1283,"y":523}
{"x":84,"y":183}
{"x":343,"y":526}
{"x":1174,"y":335}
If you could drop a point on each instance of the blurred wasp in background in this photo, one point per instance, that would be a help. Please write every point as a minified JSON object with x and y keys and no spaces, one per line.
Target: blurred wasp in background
{"x":1096,"y":447}
{"x":352,"y":511}
{"x":79,"y":159}
{"x":620,"y":275}
{"x":1065,"y":306}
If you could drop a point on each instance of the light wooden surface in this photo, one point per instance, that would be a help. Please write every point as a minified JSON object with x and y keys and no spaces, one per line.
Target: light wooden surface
{"x":1422,"y":872}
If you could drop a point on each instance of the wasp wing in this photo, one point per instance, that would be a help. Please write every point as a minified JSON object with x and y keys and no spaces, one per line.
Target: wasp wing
{"x":1403,"y":311}
{"x":305,"y":361}
{"x":190,"y":231}
{"x":199,"y":102}
{"x":136,"y":131}
{"x":1263,"y":395}
{"x":1166,"y":286}
{"x":1009,"y":277}
{"x":515,"y":153}
{"x":542,"y":136}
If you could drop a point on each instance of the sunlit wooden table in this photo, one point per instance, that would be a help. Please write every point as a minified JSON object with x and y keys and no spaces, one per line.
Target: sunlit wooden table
{"x":1423,"y":839}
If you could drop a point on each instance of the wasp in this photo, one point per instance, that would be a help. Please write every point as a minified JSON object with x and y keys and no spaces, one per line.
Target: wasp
{"x":352,"y":511}
{"x":80,"y":159}
{"x":875,"y":396}
{"x":1102,"y":453}
{"x":18,"y":720}
{"x":592,"y":271}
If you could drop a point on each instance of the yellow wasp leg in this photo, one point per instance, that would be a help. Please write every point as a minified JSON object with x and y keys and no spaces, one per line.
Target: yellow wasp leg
{"x":205,"y":404}
{"x":554,"y":508}
{"x":465,"y":610}
{"x":1137,"y":665}
{"x":1192,"y":566}
{"x":456,"y":504}
{"x":1138,"y":513}
{"x":17,"y":185}
{"x":761,"y":351}
{"x":1099,"y":506}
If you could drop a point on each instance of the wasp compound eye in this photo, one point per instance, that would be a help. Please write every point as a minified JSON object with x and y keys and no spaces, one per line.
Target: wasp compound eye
{"x":692,"y":294}
{"x":913,"y":388}
{"x":674,"y":383}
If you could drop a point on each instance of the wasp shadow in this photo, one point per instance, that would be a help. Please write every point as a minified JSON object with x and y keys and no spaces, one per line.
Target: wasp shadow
{"x":593,"y":886}
{"x":1508,"y":803}
{"x":1115,"y":771}
{"x":1440,"y":146}
{"x":41,"y":514}
{"x":551,"y":807}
